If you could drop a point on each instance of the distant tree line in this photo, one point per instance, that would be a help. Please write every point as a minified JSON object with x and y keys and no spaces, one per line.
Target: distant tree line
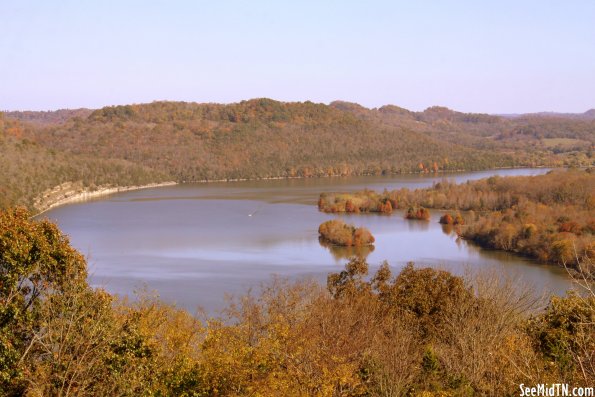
{"x":263,"y":138}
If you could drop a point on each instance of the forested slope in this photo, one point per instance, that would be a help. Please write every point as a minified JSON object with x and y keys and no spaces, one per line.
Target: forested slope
{"x":557,"y":139}
{"x":547,"y":217}
{"x":263,"y":138}
{"x":28,"y":168}
{"x":257,"y":139}
{"x":48,"y":117}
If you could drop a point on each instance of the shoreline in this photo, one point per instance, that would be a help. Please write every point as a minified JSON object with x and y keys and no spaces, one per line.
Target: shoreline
{"x":66,"y":194}
{"x":73,"y":192}
{"x":362,"y":175}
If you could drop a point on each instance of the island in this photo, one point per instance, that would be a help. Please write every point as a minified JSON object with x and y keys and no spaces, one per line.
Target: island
{"x":339,"y":233}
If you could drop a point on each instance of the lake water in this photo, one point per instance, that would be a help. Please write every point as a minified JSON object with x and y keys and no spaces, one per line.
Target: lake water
{"x":194,"y":243}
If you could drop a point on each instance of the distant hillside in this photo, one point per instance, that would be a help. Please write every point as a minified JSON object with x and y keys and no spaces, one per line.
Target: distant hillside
{"x":263,"y":138}
{"x":48,"y":117}
{"x":530,"y":139}
{"x":28,"y":168}
{"x":258,"y":139}
{"x":588,"y":115}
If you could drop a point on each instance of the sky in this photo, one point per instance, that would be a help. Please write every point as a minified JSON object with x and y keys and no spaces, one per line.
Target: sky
{"x":473,"y":56}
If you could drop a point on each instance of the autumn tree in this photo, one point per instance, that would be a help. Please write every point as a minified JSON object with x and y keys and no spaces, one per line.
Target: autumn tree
{"x":36,"y":259}
{"x":338,"y":232}
{"x":419,"y":213}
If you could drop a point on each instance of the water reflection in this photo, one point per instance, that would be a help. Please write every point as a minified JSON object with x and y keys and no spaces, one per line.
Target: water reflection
{"x":415,"y":225}
{"x":194,"y":243}
{"x":344,"y":253}
{"x":448,"y":229}
{"x":452,"y":230}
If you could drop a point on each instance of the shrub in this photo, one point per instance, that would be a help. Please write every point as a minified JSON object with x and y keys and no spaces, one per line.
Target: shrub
{"x":419,"y":213}
{"x":339,"y":233}
{"x":446,"y":219}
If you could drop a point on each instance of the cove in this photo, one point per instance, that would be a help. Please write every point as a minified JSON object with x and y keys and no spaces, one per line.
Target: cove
{"x":195,"y":243}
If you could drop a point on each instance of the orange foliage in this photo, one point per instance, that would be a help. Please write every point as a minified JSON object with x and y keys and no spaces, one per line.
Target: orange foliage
{"x":419,"y":213}
{"x":446,"y":219}
{"x":338,"y":232}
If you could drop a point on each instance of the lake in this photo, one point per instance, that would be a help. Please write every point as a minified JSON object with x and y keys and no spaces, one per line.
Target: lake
{"x":195,"y":243}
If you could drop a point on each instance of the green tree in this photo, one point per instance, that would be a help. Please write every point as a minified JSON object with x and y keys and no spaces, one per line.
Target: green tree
{"x":35,"y":259}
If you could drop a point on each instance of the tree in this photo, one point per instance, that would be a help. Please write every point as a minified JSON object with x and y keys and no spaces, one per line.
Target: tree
{"x":565,"y":334}
{"x":349,"y":207}
{"x":386,"y":207}
{"x":446,"y":219}
{"x":338,"y":232}
{"x":420,"y":213}
{"x":35,"y":259}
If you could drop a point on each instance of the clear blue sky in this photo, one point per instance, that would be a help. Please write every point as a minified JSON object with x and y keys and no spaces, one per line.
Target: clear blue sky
{"x":480,"y":56}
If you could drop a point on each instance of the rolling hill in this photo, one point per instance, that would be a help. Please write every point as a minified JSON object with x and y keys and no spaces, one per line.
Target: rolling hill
{"x":263,"y":138}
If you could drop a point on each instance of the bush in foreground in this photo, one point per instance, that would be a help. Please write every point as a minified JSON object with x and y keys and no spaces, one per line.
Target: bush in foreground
{"x":420,"y":332}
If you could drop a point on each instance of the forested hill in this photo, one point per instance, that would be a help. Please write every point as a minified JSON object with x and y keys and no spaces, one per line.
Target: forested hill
{"x":48,"y":117}
{"x":263,"y":138}
{"x":257,"y":139}
{"x":588,"y":115}
{"x":534,"y":138}
{"x":27,"y":168}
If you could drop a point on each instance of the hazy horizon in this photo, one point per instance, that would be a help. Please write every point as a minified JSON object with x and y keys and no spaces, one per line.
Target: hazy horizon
{"x":327,"y":103}
{"x":501,"y":58}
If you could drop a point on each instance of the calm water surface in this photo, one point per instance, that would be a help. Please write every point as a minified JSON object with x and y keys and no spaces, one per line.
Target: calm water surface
{"x":195,"y":243}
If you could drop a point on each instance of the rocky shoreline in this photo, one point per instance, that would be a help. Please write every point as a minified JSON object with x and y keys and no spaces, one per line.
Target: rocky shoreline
{"x":72,"y":192}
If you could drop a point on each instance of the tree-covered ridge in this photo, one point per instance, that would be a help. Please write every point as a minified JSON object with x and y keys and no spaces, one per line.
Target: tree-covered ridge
{"x":48,"y":117}
{"x":263,"y":138}
{"x":587,"y":115}
{"x":261,"y":110}
{"x":257,"y":139}
{"x":29,"y":168}
{"x":566,"y":139}
{"x":421,"y":332}
{"x":529,"y":139}
{"x":548,"y":217}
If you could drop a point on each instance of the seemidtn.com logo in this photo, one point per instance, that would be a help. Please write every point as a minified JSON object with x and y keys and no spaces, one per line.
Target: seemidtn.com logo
{"x":555,"y":390}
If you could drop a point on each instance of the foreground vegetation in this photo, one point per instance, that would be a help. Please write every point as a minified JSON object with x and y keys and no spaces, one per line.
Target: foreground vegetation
{"x":423,"y":332}
{"x":547,"y":217}
{"x":262,"y":138}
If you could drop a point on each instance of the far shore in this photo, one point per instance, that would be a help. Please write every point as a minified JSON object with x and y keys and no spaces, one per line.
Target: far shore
{"x":66,"y":194}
